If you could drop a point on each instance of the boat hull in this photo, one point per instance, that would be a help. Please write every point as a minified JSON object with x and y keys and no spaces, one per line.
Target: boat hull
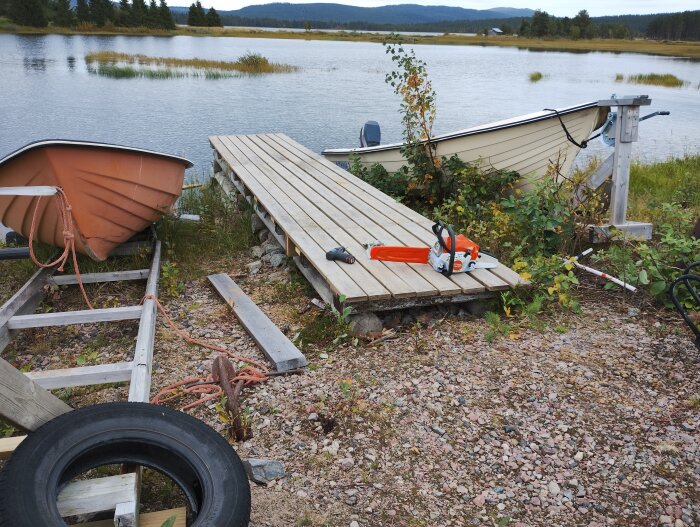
{"x":529,"y":144}
{"x":114,"y":192}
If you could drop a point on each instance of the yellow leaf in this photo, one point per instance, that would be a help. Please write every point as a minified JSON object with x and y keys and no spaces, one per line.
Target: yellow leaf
{"x":568,"y":266}
{"x":514,"y":336}
{"x":525,"y":275}
{"x":506,"y":309}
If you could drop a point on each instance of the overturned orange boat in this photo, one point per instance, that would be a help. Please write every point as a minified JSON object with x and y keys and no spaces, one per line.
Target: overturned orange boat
{"x":114,"y":192}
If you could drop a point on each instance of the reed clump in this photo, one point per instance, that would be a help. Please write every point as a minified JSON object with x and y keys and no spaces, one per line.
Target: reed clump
{"x":251,"y":63}
{"x":536,"y":76}
{"x":657,"y":79}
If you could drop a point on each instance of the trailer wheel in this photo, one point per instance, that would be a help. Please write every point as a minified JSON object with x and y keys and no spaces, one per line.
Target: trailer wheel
{"x":194,"y":456}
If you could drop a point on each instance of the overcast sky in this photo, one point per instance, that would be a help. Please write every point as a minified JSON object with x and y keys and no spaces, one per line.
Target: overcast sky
{"x":553,"y":7}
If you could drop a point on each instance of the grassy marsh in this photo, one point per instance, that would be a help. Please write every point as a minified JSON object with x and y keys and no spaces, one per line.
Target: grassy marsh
{"x":654,"y":79}
{"x":126,"y":65}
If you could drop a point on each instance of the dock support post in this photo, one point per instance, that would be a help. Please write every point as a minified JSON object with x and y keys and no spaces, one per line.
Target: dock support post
{"x":626,"y":133}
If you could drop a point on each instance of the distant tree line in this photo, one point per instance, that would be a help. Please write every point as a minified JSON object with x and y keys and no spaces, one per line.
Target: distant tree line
{"x":98,"y":13}
{"x":197,"y":17}
{"x":675,"y":26}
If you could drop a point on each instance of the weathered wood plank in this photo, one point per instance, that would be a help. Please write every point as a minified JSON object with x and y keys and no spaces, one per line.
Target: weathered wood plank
{"x":336,"y":222}
{"x":305,"y":215}
{"x":273,"y":343}
{"x":83,"y":376}
{"x":23,"y":403}
{"x":32,"y":287}
{"x":8,"y":445}
{"x":409,"y":227}
{"x":140,"y":387}
{"x":360,"y":221}
{"x":149,"y":519}
{"x":341,"y":283}
{"x":96,"y":495}
{"x":65,"y":318}
{"x":91,"y":278}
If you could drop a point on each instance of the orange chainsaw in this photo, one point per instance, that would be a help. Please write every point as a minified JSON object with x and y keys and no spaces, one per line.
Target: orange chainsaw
{"x":456,"y":254}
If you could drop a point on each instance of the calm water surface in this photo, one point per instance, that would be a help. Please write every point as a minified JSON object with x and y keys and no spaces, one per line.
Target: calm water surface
{"x":47,"y":92}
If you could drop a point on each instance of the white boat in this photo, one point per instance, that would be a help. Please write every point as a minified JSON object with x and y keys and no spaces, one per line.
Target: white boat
{"x":528,"y":144}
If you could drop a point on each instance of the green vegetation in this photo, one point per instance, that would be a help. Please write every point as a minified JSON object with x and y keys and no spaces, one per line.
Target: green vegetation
{"x":619,"y":77}
{"x":534,"y":227}
{"x":197,"y":17}
{"x":657,"y":79}
{"x":536,"y":76}
{"x":121,"y":66}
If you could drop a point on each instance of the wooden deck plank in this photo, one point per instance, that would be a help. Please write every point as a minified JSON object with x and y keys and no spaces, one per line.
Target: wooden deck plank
{"x":274,"y":344}
{"x":82,"y":376}
{"x":395,"y":213}
{"x":96,"y":495}
{"x":9,"y":445}
{"x":375,"y":225}
{"x":305,"y":218}
{"x":343,"y":225}
{"x":66,"y":318}
{"x":148,"y":519}
{"x":337,"y":279}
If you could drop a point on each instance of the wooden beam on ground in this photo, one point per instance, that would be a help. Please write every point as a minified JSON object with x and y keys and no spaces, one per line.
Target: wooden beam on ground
{"x":91,"y":278}
{"x":273,"y":343}
{"x":83,"y":376}
{"x":23,"y":403}
{"x":8,"y":445}
{"x":65,"y":318}
{"x":140,"y":388}
{"x":150,"y":519}
{"x":96,"y":495}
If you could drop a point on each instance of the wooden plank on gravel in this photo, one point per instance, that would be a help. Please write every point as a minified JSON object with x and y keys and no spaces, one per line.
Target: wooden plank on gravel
{"x":23,"y":403}
{"x":82,"y":376}
{"x":65,"y":318}
{"x":336,"y":277}
{"x":340,"y":224}
{"x":274,"y":344}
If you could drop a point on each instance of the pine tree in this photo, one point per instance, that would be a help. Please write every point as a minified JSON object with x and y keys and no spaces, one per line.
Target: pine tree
{"x":97,"y":14}
{"x":124,"y":17}
{"x":82,"y":11}
{"x":212,"y":19}
{"x":152,"y":16}
{"x":108,"y":11}
{"x":28,"y":13}
{"x":165,"y":16}
{"x":63,"y":16}
{"x":138,"y":13}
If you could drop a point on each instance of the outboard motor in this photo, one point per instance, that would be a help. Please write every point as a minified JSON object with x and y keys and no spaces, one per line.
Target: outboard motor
{"x":370,"y":134}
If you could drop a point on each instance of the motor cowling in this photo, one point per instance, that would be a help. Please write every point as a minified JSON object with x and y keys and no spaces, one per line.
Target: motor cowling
{"x":370,"y":134}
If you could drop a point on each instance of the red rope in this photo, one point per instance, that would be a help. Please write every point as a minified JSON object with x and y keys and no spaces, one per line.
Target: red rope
{"x":65,"y":211}
{"x":254,"y":373}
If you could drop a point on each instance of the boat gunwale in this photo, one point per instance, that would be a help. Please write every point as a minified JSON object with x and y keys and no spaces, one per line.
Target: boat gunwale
{"x":475,"y":130}
{"x":90,"y":144}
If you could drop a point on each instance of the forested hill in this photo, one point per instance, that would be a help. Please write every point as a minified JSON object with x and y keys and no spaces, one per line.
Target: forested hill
{"x":390,"y":14}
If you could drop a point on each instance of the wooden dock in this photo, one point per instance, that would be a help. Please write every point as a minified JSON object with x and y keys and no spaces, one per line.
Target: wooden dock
{"x":311,"y":206}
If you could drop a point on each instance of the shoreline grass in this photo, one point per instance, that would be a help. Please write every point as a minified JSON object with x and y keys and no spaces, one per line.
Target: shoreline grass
{"x":657,"y":79}
{"x":681,"y":49}
{"x":536,"y":76}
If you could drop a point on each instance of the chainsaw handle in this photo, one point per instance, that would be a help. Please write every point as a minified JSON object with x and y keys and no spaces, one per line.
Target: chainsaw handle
{"x":437,"y":230}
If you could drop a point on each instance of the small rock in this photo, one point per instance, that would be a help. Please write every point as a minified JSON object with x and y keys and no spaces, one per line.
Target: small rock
{"x":688,"y":427}
{"x":263,"y":470}
{"x":632,"y":312}
{"x":554,"y":488}
{"x":439,"y":431}
{"x":256,"y":251}
{"x":665,"y":520}
{"x":479,"y":500}
{"x":679,"y":523}
{"x":365,"y":324}
{"x":354,"y":524}
{"x":256,"y":224}
{"x":277,"y":259}
{"x":579,"y":456}
{"x":313,"y":416}
{"x":509,"y":429}
{"x":254,"y":267}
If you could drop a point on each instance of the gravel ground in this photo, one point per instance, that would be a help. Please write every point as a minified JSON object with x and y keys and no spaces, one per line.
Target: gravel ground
{"x":578,"y":420}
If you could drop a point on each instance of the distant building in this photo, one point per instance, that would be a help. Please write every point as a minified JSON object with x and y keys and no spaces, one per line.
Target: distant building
{"x":495,"y":32}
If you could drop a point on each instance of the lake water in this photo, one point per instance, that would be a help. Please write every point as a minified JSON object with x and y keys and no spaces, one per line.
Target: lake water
{"x":47,"y":92}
